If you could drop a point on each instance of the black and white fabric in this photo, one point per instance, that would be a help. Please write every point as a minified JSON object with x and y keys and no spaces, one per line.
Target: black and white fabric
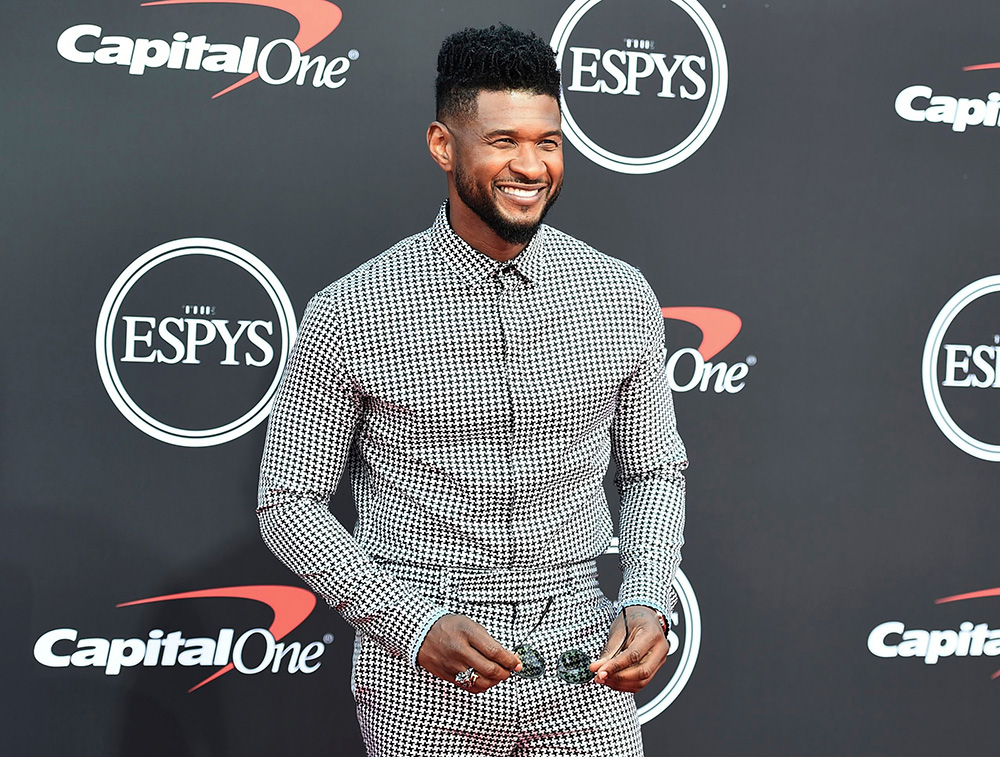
{"x":409,"y":713}
{"x":476,"y":404}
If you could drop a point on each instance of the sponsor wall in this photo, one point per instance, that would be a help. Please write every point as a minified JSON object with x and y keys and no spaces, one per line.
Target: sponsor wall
{"x":809,"y":189}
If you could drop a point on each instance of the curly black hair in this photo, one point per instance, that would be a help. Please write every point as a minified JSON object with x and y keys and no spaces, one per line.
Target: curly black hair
{"x":496,"y":59}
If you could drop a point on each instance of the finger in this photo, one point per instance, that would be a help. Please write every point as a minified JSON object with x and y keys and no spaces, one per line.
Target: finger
{"x":633,"y":679}
{"x":487,"y":674}
{"x":637,"y":668}
{"x":479,"y":685}
{"x":616,"y":640}
{"x":637,"y":648}
{"x":485,"y":667}
{"x":493,"y":650}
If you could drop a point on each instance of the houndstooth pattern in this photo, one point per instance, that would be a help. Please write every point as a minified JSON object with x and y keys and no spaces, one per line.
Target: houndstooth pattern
{"x":477,"y":405}
{"x":409,"y":713}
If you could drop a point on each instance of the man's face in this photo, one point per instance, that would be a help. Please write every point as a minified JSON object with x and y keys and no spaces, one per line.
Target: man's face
{"x":508,"y":163}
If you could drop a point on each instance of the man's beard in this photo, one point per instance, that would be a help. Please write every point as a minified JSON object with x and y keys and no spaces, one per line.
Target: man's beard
{"x":484,"y":205}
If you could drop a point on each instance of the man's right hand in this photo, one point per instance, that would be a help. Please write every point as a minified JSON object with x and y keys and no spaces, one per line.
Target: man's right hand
{"x":456,"y":643}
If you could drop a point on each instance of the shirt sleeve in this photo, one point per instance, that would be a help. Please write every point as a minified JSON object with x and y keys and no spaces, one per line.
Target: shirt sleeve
{"x":650,"y":459}
{"x":315,"y":415}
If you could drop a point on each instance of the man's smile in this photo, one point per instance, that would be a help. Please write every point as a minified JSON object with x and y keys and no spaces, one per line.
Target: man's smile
{"x":522,"y":195}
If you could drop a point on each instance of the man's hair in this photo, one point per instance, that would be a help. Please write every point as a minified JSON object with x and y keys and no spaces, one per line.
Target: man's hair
{"x":498,"y":59}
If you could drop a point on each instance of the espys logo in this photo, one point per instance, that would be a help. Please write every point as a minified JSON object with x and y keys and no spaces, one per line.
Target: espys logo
{"x":685,"y":644}
{"x":252,"y":652}
{"x":192,"y":341}
{"x":961,"y":365}
{"x":689,"y":368}
{"x":643,"y":86}
{"x":277,"y":62}
{"x":919,"y":103}
{"x":893,"y":639}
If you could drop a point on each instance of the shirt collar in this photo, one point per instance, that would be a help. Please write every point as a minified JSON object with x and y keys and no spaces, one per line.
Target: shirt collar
{"x":478,"y":267}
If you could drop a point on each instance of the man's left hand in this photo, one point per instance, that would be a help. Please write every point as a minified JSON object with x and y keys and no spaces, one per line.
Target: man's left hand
{"x":644,"y":652}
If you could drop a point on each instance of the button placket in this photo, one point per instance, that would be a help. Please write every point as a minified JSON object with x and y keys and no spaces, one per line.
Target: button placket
{"x":504,"y":286}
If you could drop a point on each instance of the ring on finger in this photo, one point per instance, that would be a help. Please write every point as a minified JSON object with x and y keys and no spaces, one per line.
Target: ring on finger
{"x":467,"y":678}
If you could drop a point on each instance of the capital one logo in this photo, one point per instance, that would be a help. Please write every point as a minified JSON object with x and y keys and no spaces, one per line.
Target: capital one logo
{"x":961,"y":369}
{"x":276,"y":62}
{"x":192,"y":340}
{"x":685,"y":644}
{"x":693,"y":369}
{"x":251,"y":652}
{"x":921,"y":104}
{"x":644,"y":83}
{"x":893,"y":639}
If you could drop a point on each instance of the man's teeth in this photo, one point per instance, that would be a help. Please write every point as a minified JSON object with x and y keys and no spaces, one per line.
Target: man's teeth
{"x":517,"y":192}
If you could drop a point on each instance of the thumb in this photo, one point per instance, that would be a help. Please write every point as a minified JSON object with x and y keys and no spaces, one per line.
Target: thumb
{"x":616,"y":640}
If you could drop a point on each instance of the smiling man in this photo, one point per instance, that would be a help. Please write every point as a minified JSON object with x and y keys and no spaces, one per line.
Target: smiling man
{"x":476,"y":379}
{"x":500,"y":190}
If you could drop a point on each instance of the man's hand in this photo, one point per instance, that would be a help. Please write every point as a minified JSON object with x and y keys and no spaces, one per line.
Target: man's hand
{"x":456,"y":643}
{"x":645,"y":651}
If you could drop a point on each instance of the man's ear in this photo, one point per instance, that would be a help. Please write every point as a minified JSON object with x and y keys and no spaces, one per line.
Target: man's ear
{"x":441,"y":143}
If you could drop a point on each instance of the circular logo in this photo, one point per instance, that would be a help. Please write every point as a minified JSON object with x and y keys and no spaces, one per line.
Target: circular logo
{"x":961,"y":360}
{"x":685,"y":643}
{"x":644,"y":81}
{"x":192,"y":340}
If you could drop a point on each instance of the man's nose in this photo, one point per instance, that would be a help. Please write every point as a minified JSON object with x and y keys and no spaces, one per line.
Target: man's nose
{"x":528,"y":164}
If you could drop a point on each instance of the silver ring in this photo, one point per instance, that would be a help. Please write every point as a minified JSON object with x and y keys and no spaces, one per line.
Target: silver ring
{"x":467,"y":678}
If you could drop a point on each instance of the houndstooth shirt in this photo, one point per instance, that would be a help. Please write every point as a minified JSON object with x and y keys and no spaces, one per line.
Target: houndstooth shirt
{"x":477,"y":404}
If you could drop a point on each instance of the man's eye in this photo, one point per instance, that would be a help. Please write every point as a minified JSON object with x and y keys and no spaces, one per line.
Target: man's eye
{"x":504,"y":142}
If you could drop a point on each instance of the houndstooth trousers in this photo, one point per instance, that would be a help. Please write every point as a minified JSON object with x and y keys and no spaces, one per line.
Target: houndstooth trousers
{"x":407,"y":712}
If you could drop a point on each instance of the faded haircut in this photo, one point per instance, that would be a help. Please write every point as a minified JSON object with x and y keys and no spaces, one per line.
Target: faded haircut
{"x":497,"y":59}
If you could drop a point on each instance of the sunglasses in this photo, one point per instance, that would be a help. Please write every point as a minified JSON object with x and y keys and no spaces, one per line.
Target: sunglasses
{"x":573,"y":666}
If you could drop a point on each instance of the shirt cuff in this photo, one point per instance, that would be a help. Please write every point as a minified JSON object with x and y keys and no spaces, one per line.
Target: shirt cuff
{"x":425,"y":629}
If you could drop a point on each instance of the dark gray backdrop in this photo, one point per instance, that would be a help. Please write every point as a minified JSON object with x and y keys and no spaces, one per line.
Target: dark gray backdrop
{"x":823,"y":498}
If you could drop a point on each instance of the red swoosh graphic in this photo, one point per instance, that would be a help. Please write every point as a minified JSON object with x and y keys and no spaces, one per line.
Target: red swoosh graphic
{"x":317,"y":20}
{"x":290,"y":605}
{"x":970,"y":595}
{"x":718,"y":327}
{"x":981,"y":67}
{"x":973,"y":594}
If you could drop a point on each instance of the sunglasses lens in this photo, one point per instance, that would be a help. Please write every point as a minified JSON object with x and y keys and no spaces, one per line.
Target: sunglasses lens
{"x":574,"y":666}
{"x":531,"y":662}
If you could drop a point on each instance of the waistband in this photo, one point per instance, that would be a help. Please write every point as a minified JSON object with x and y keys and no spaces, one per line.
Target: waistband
{"x":497,"y":585}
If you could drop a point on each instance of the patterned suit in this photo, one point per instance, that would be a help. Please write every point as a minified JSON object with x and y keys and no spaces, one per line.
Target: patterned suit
{"x":477,"y":404}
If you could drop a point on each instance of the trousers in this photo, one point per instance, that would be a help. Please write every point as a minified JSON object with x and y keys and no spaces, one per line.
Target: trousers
{"x":407,"y":712}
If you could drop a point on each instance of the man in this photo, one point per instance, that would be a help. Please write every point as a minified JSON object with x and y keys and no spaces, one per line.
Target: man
{"x":476,"y":379}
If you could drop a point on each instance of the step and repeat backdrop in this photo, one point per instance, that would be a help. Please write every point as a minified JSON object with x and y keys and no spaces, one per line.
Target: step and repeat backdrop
{"x":809,"y":188}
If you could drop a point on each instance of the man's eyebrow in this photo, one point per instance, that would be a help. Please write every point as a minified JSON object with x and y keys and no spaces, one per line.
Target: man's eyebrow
{"x":514,"y":133}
